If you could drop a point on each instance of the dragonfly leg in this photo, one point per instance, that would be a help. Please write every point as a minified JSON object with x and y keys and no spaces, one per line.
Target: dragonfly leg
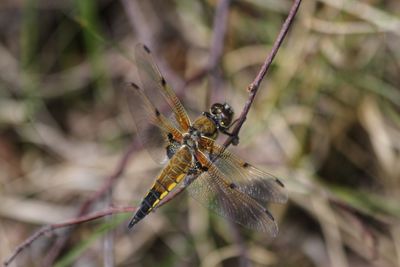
{"x":235,"y":141}
{"x":172,"y":146}
{"x":195,"y":169}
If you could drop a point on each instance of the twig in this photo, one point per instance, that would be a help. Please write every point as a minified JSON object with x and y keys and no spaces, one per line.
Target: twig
{"x":60,"y":244}
{"x":255,"y":85}
{"x":73,"y":222}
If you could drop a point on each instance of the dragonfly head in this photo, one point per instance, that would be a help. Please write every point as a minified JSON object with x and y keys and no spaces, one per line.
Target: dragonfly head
{"x":222,"y":114}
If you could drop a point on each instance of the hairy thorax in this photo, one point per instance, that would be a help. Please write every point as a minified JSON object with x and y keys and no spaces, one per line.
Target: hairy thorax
{"x":206,"y":127}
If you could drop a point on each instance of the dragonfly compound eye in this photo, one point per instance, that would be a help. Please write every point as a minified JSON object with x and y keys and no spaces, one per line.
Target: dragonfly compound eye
{"x":216,"y":109}
{"x":226,"y":115}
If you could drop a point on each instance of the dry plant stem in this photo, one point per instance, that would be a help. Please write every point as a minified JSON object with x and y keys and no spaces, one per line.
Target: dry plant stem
{"x":73,"y":222}
{"x":60,"y":243}
{"x":255,"y":85}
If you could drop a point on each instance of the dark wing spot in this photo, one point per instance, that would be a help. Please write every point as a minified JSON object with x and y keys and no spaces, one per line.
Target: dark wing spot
{"x":146,"y":49}
{"x":232,"y":185}
{"x":157,"y":112}
{"x":170,"y":137}
{"x":134,"y":85}
{"x":279,"y":182}
{"x":245,"y":165}
{"x":163,"y":82}
{"x":269,"y":215}
{"x":204,"y":168}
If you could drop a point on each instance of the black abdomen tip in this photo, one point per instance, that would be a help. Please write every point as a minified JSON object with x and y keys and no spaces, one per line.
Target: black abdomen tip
{"x":132,"y":223}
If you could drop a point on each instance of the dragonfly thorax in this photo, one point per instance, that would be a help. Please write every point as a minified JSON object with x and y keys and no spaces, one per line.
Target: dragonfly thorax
{"x":192,"y":138}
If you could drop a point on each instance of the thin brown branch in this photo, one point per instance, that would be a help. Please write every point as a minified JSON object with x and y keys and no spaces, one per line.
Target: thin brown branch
{"x":73,"y":222}
{"x":61,"y":242}
{"x":255,"y":85}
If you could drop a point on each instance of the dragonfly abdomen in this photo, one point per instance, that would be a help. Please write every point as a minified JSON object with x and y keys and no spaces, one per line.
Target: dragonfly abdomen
{"x":166,"y":181}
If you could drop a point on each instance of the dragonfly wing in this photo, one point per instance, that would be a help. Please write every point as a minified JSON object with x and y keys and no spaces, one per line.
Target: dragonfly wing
{"x":260,"y":185}
{"x":152,"y":127}
{"x":213,"y":190}
{"x":157,"y":89}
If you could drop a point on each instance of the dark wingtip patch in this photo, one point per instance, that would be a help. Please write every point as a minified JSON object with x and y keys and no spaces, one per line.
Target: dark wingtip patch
{"x":232,"y":185}
{"x":163,"y":82}
{"x":279,"y":182}
{"x":146,"y":49}
{"x":170,"y":137}
{"x":269,"y":215}
{"x":132,"y":223}
{"x":157,"y":112}
{"x":245,"y":165}
{"x":204,"y":168}
{"x":134,"y":85}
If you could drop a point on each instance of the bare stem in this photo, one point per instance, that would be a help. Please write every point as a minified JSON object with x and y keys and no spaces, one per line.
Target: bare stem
{"x":255,"y":85}
{"x":60,"y":243}
{"x":49,"y":228}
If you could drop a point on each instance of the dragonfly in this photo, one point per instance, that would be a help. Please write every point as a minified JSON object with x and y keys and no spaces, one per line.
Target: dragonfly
{"x":211,"y":174}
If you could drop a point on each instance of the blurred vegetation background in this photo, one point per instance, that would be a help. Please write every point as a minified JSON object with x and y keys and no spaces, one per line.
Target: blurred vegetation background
{"x":326,"y":120}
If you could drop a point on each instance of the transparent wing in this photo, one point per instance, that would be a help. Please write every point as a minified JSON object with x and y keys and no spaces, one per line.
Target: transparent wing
{"x":214,"y":190}
{"x":260,"y":185}
{"x":157,"y":89}
{"x":152,"y":126}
